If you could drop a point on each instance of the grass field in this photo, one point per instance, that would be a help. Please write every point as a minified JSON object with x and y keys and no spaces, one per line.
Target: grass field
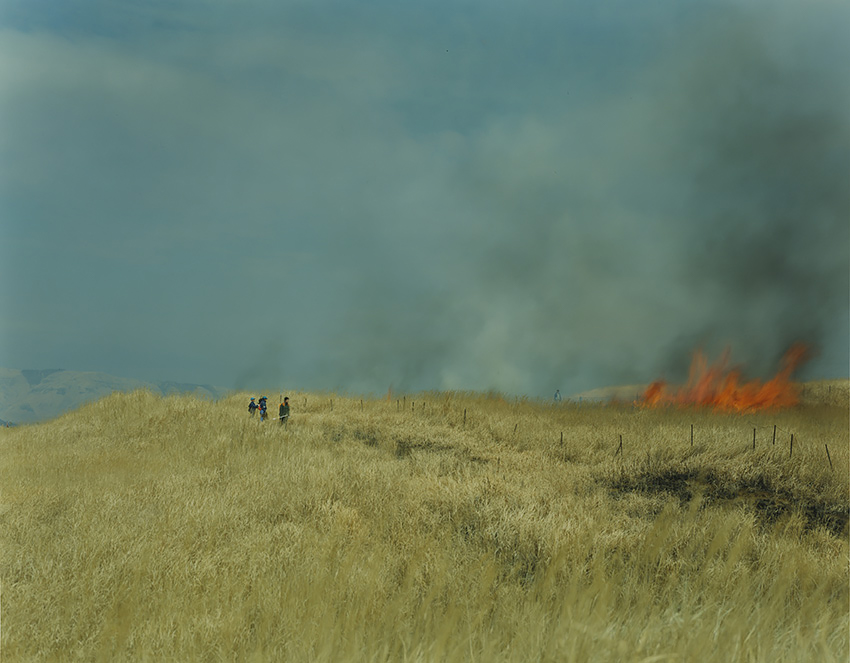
{"x":429,"y":527}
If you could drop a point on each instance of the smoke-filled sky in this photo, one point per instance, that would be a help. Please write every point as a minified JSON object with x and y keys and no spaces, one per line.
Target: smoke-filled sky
{"x":467,"y":194}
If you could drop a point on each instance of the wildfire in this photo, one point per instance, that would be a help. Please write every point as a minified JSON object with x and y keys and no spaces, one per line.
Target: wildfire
{"x":720,"y":387}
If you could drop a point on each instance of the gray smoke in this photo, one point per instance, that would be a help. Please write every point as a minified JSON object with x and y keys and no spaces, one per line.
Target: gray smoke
{"x":706,"y":206}
{"x":766,"y":152}
{"x":475,"y":195}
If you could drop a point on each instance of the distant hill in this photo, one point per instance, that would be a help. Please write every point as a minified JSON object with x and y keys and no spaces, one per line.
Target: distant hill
{"x":27,"y":396}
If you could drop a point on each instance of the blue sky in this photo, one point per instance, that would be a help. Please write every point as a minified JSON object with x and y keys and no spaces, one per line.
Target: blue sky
{"x":465,"y":195}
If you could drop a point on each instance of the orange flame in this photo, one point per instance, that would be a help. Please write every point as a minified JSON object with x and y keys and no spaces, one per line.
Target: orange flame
{"x":721,"y":388}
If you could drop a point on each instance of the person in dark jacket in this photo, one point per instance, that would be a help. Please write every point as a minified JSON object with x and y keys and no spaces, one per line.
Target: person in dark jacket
{"x":263,"y":408}
{"x":252,"y":407}
{"x":284,"y":410}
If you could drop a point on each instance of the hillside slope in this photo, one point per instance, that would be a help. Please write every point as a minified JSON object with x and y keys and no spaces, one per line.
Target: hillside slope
{"x":445,"y":527}
{"x":28,"y":396}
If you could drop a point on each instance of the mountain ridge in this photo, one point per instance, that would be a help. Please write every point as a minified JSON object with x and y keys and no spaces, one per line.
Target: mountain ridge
{"x":33,"y":395}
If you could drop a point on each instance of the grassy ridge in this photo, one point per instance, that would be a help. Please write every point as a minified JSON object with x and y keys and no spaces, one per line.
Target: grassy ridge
{"x":176,"y":528}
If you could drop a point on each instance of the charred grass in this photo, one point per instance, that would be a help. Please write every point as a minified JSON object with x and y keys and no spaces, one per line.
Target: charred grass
{"x":757,"y":494}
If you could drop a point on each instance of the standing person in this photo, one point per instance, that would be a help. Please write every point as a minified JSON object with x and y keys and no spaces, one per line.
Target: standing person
{"x":263,"y":408}
{"x":557,"y":395}
{"x":284,"y":410}
{"x":252,"y":407}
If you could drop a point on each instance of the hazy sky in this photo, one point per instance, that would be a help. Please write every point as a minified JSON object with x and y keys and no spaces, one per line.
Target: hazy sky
{"x":464,"y":194}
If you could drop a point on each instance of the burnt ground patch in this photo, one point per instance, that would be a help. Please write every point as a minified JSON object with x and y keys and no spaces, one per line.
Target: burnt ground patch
{"x":769,"y":503}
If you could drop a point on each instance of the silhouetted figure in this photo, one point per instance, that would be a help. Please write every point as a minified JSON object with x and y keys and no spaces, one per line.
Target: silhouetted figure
{"x":284,"y":410}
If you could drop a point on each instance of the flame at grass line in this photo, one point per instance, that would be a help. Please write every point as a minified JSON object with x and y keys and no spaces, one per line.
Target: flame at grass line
{"x":721,"y":388}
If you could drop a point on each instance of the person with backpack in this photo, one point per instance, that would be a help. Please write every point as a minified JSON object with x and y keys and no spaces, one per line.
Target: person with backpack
{"x":284,"y":410}
{"x":263,"y":408}
{"x":252,"y":407}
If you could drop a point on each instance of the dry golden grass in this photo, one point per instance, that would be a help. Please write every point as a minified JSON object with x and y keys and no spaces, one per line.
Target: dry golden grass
{"x":147,"y":528}
{"x":826,"y":392}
